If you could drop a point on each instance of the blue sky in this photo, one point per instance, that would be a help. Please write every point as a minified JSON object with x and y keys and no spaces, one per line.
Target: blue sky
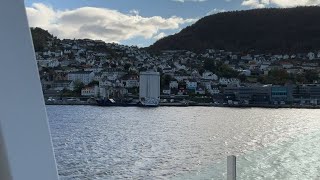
{"x":164,"y":8}
{"x":133,"y":22}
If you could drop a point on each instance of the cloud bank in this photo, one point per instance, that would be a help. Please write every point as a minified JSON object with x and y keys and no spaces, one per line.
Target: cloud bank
{"x":100,"y":23}
{"x":280,"y":3}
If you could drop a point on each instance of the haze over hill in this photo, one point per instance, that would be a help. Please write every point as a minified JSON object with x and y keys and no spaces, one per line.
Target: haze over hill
{"x":262,"y":30}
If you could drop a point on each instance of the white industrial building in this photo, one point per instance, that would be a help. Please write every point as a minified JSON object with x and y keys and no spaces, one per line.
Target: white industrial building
{"x":149,"y":91}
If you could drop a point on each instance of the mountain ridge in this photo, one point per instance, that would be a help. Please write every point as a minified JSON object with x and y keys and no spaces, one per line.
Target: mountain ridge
{"x":271,"y":30}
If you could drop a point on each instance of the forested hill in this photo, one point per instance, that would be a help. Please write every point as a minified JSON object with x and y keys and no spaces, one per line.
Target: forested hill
{"x":262,"y":30}
{"x":40,"y":38}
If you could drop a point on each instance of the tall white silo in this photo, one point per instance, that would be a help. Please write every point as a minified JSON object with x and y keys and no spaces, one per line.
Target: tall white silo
{"x":149,"y":91}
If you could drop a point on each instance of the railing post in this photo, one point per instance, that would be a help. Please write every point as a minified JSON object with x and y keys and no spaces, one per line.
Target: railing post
{"x":231,"y":168}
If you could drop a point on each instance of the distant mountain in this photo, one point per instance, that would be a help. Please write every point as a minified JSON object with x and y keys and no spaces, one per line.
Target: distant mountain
{"x":261,"y":30}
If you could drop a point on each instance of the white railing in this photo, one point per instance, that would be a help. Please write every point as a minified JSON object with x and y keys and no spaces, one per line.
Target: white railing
{"x":26,"y":151}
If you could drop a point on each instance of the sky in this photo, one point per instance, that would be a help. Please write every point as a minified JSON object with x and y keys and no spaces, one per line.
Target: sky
{"x":133,"y":22}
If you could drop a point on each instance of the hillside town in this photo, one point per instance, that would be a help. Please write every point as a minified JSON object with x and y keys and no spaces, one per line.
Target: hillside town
{"x":83,"y":70}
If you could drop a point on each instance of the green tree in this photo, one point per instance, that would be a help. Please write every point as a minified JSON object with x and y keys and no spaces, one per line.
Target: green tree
{"x":311,"y":75}
{"x":225,"y":71}
{"x":278,"y":76}
{"x":127,"y":66}
{"x":40,"y":38}
{"x":93,"y":83}
{"x":165,"y":80}
{"x":78,"y":86}
{"x":209,"y":65}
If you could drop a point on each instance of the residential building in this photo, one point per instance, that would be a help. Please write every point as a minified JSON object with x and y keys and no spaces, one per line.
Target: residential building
{"x":173,"y":84}
{"x":130,"y":81}
{"x":191,"y":85}
{"x":63,"y":84}
{"x":90,"y":91}
{"x":166,"y":91}
{"x":200,"y":90}
{"x":207,"y":75}
{"x":82,"y":76}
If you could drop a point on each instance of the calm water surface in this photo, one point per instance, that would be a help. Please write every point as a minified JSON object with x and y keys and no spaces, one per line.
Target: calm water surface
{"x":173,"y":142}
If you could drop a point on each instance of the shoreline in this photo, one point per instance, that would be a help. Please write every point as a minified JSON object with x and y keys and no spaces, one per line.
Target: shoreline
{"x":270,"y":106}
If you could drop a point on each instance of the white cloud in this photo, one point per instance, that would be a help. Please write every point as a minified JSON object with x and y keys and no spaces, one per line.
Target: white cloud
{"x":100,"y":23}
{"x":182,"y":1}
{"x":215,"y":11}
{"x":134,"y":12}
{"x":280,"y":3}
{"x":253,"y":3}
{"x":293,"y":3}
{"x":160,"y":35}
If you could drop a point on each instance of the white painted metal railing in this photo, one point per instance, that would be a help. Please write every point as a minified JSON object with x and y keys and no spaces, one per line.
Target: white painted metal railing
{"x":26,"y":151}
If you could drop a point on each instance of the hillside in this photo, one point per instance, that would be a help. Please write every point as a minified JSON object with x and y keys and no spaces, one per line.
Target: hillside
{"x":261,"y":30}
{"x":40,"y":38}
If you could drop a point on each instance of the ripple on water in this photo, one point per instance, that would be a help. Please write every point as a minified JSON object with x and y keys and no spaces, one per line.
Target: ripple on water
{"x":165,"y":143}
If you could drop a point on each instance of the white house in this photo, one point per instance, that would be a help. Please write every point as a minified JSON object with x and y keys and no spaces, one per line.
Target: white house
{"x":66,"y":51}
{"x":311,"y":56}
{"x":90,"y":91}
{"x":181,"y":78}
{"x":234,"y":57}
{"x":200,"y":90}
{"x":130,"y":81}
{"x":286,"y":65}
{"x":248,"y":57}
{"x":43,"y":63}
{"x":83,"y":76}
{"x":264,"y":66}
{"x":47,"y":53}
{"x":87,"y":91}
{"x":53,"y":63}
{"x":179,"y":66}
{"x":168,"y":70}
{"x":166,"y":91}
{"x":105,"y":82}
{"x":232,"y":81}
{"x":97,"y":76}
{"x":173,"y":85}
{"x":215,"y":91}
{"x":286,"y":56}
{"x":246,"y":72}
{"x":207,"y":75}
{"x":58,"y":53}
{"x":81,"y":60}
